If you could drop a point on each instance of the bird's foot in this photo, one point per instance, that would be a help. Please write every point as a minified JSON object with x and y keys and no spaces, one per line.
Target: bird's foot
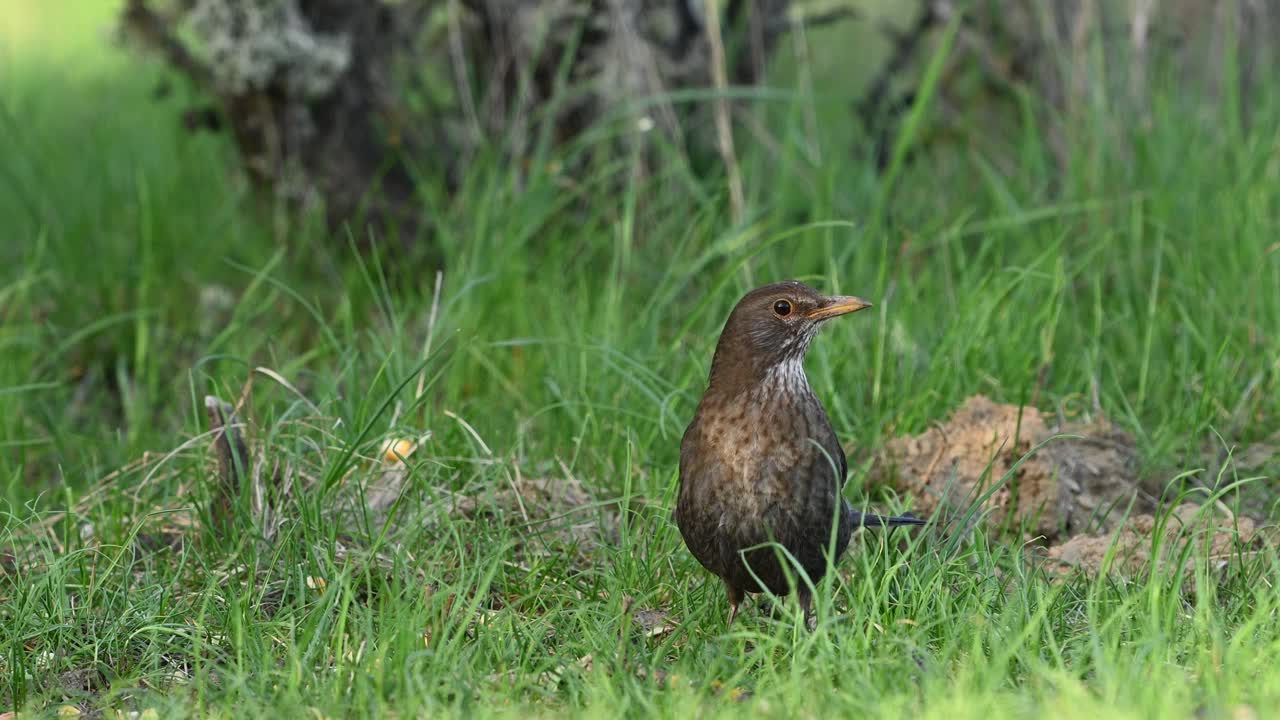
{"x":806,"y":606}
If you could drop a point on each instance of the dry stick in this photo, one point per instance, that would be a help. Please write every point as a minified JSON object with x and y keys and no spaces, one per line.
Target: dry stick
{"x":724,"y":131}
{"x":233,"y":458}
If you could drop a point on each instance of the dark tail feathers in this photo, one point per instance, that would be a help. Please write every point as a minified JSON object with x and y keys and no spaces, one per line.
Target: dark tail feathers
{"x":869,"y":520}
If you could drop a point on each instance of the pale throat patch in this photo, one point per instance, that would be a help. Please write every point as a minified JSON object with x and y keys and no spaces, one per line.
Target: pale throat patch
{"x":787,"y":377}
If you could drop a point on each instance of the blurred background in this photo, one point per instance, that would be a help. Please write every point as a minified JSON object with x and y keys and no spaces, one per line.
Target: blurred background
{"x":1067,"y":203}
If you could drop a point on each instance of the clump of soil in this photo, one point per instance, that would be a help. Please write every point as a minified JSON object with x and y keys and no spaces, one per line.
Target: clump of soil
{"x":560,"y":506}
{"x":1080,"y":493}
{"x":1128,"y":552}
{"x":1070,"y":485}
{"x":559,"y":509}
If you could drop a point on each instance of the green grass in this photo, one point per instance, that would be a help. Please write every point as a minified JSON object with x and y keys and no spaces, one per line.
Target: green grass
{"x":572,"y":338}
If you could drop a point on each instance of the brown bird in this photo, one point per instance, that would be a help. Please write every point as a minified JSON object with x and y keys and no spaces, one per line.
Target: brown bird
{"x":760,"y":462}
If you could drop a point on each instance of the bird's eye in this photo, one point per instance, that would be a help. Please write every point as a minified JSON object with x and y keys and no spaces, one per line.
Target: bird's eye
{"x":782,"y":308}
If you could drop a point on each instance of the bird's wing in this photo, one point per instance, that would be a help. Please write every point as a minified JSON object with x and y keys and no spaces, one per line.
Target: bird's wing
{"x":831,"y":444}
{"x":696,"y":505}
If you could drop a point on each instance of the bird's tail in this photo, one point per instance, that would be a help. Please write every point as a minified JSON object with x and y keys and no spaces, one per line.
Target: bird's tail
{"x":869,"y":520}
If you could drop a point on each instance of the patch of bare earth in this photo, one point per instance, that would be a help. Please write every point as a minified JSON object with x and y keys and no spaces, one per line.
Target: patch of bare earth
{"x":548,"y":511}
{"x":1150,"y":542}
{"x":1079,"y":491}
{"x":1070,"y":484}
{"x":561,"y":508}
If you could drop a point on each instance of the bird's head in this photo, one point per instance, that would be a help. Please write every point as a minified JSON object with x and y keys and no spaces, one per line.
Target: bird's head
{"x":771,"y":327}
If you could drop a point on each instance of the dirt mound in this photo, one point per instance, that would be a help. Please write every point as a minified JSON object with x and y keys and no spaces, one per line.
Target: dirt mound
{"x":560,"y":507}
{"x":1070,"y":485}
{"x":551,"y":508}
{"x":1128,"y":552}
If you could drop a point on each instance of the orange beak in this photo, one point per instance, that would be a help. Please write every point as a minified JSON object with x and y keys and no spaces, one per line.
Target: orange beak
{"x":838,"y":305}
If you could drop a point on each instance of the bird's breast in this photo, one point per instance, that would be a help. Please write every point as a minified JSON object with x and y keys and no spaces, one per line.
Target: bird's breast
{"x":760,"y":450}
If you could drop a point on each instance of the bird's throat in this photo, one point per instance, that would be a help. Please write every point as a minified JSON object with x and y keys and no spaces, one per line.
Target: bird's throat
{"x":786,"y":378}
{"x":781,"y":382}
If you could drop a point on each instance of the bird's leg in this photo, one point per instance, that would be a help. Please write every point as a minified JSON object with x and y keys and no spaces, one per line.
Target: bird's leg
{"x":735,"y":599}
{"x":806,"y":605}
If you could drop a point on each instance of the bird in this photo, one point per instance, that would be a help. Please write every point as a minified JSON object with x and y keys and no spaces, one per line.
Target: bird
{"x":760,"y":462}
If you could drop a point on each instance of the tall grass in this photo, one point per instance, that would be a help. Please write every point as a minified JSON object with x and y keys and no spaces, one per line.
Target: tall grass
{"x":573,"y":336}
